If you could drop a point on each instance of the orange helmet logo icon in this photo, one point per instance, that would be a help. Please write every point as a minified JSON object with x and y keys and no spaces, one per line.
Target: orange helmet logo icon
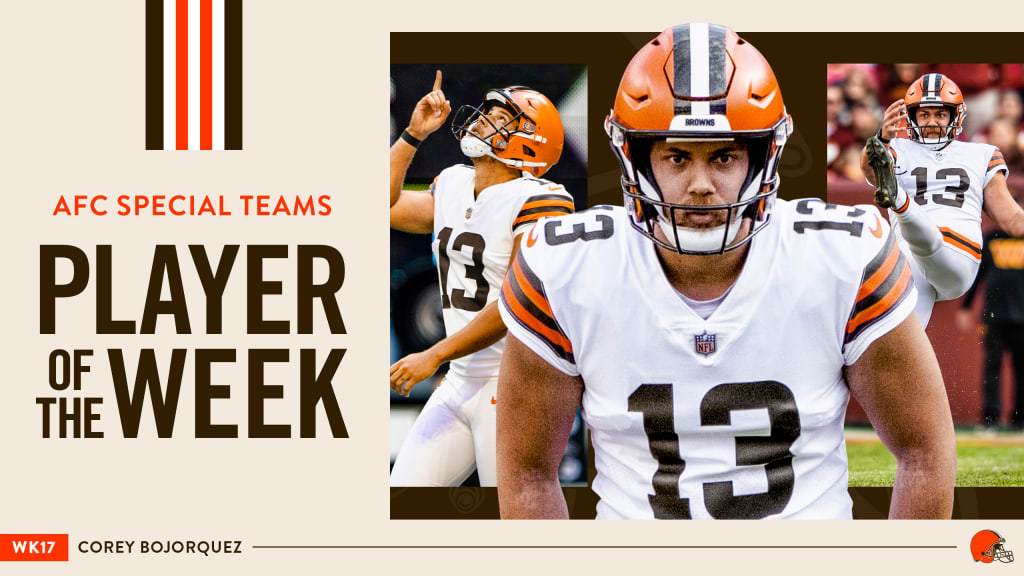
{"x":988,"y":546}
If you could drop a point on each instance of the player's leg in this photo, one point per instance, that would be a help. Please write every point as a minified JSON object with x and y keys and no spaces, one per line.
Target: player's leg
{"x":992,"y":406}
{"x":484,"y":419}
{"x":925,"y":292}
{"x":439,"y":449}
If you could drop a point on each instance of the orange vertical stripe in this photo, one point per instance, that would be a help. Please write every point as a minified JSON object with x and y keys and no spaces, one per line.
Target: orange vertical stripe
{"x":880,"y":275}
{"x":181,"y":74}
{"x":883,"y":305}
{"x":206,"y":75}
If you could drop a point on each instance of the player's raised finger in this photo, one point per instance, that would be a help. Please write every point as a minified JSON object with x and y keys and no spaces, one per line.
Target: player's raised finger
{"x":437,"y":81}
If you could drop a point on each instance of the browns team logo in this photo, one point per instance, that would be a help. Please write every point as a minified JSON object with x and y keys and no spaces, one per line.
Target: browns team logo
{"x":705,"y":343}
{"x":988,"y":546}
{"x":193,"y":74}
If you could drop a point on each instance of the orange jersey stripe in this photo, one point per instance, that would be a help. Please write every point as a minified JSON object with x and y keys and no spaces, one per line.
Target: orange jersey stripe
{"x":526,"y":318}
{"x":536,"y":298}
{"x":883,"y":305}
{"x":876,"y":279}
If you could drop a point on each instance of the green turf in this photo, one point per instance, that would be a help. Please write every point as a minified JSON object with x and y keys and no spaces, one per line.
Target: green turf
{"x":873,"y":465}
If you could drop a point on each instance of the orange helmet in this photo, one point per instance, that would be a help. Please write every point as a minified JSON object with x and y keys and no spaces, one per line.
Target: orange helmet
{"x":532,"y":140}
{"x":698,"y":83}
{"x":935,"y":90}
{"x":987,"y":546}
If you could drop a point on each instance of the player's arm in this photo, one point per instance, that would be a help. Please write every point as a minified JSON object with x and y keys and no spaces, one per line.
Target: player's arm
{"x":413,"y":211}
{"x":535,"y":415}
{"x":484,"y":329}
{"x":895,"y":113}
{"x":1002,"y":208}
{"x":898,"y":382}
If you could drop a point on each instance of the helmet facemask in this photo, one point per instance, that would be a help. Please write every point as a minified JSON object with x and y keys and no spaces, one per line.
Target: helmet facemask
{"x":947,"y":133}
{"x":498,"y":139}
{"x":731,"y":225}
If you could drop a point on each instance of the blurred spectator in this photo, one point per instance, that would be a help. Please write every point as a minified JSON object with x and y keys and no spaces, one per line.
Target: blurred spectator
{"x":834,"y":109}
{"x":859,"y":87}
{"x":1010,"y":107}
{"x":850,"y":139}
{"x":1002,"y":321}
{"x":1005,"y":135}
{"x":978,"y":83}
{"x":894,"y":79}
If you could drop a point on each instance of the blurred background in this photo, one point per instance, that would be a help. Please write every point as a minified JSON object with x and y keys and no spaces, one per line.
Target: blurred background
{"x":856,"y":97}
{"x":416,"y":322}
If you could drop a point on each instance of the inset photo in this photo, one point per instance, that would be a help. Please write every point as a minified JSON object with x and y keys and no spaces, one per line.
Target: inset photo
{"x":479,"y":154}
{"x":940,"y":147}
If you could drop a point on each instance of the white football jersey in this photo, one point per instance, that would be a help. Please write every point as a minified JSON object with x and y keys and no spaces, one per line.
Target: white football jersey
{"x":737,"y":416}
{"x":949,"y":185}
{"x":472,"y":244}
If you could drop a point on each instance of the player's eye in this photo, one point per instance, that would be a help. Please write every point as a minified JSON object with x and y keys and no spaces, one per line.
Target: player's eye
{"x":724,"y":158}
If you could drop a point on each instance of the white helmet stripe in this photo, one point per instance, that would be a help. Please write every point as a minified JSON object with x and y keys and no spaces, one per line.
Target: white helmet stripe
{"x":700,"y":74}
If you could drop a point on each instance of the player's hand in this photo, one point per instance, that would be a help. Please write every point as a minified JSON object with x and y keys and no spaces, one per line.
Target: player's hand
{"x":413,"y":369}
{"x":894,"y":115}
{"x":430,"y":112}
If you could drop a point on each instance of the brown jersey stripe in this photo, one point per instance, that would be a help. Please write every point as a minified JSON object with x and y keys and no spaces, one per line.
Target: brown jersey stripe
{"x":880,"y":274}
{"x":558,"y":343}
{"x":539,"y":215}
{"x":866,"y":300}
{"x":883,"y":255}
{"x":880,"y":309}
{"x":534,"y":302}
{"x":540,"y":203}
{"x":960,"y":241}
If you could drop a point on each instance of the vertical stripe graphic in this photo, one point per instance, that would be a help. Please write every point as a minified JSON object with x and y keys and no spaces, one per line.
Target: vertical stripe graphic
{"x":193,"y":74}
{"x":154,"y":74}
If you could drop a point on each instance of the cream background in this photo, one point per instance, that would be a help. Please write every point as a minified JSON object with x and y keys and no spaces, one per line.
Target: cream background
{"x":71,"y":121}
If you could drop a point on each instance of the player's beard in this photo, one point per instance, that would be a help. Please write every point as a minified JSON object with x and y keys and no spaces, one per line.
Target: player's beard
{"x":701,"y":219}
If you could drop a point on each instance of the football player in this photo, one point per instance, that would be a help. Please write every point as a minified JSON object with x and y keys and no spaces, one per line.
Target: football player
{"x":477,"y":214}
{"x":713,"y":333}
{"x":938,"y":223}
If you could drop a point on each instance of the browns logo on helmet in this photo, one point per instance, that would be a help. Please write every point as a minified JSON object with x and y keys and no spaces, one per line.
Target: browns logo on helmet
{"x":988,"y":545}
{"x":698,"y":83}
{"x":935,"y":90}
{"x":531,"y":141}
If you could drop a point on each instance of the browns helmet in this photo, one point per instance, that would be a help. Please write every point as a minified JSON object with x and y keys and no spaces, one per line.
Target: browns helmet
{"x":935,"y":90}
{"x":987,"y":545}
{"x":531,"y":141}
{"x":698,"y":83}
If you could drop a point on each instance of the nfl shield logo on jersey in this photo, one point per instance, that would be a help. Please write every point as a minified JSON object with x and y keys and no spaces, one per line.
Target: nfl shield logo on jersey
{"x":705,"y":343}
{"x":469,"y":212}
{"x":939,"y":156}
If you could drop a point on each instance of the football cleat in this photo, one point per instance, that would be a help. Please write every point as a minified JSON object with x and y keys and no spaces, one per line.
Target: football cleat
{"x":885,"y":175}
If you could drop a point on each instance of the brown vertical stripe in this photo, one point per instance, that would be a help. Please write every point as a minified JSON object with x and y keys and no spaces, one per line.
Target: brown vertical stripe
{"x":232,"y":74}
{"x":154,"y":75}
